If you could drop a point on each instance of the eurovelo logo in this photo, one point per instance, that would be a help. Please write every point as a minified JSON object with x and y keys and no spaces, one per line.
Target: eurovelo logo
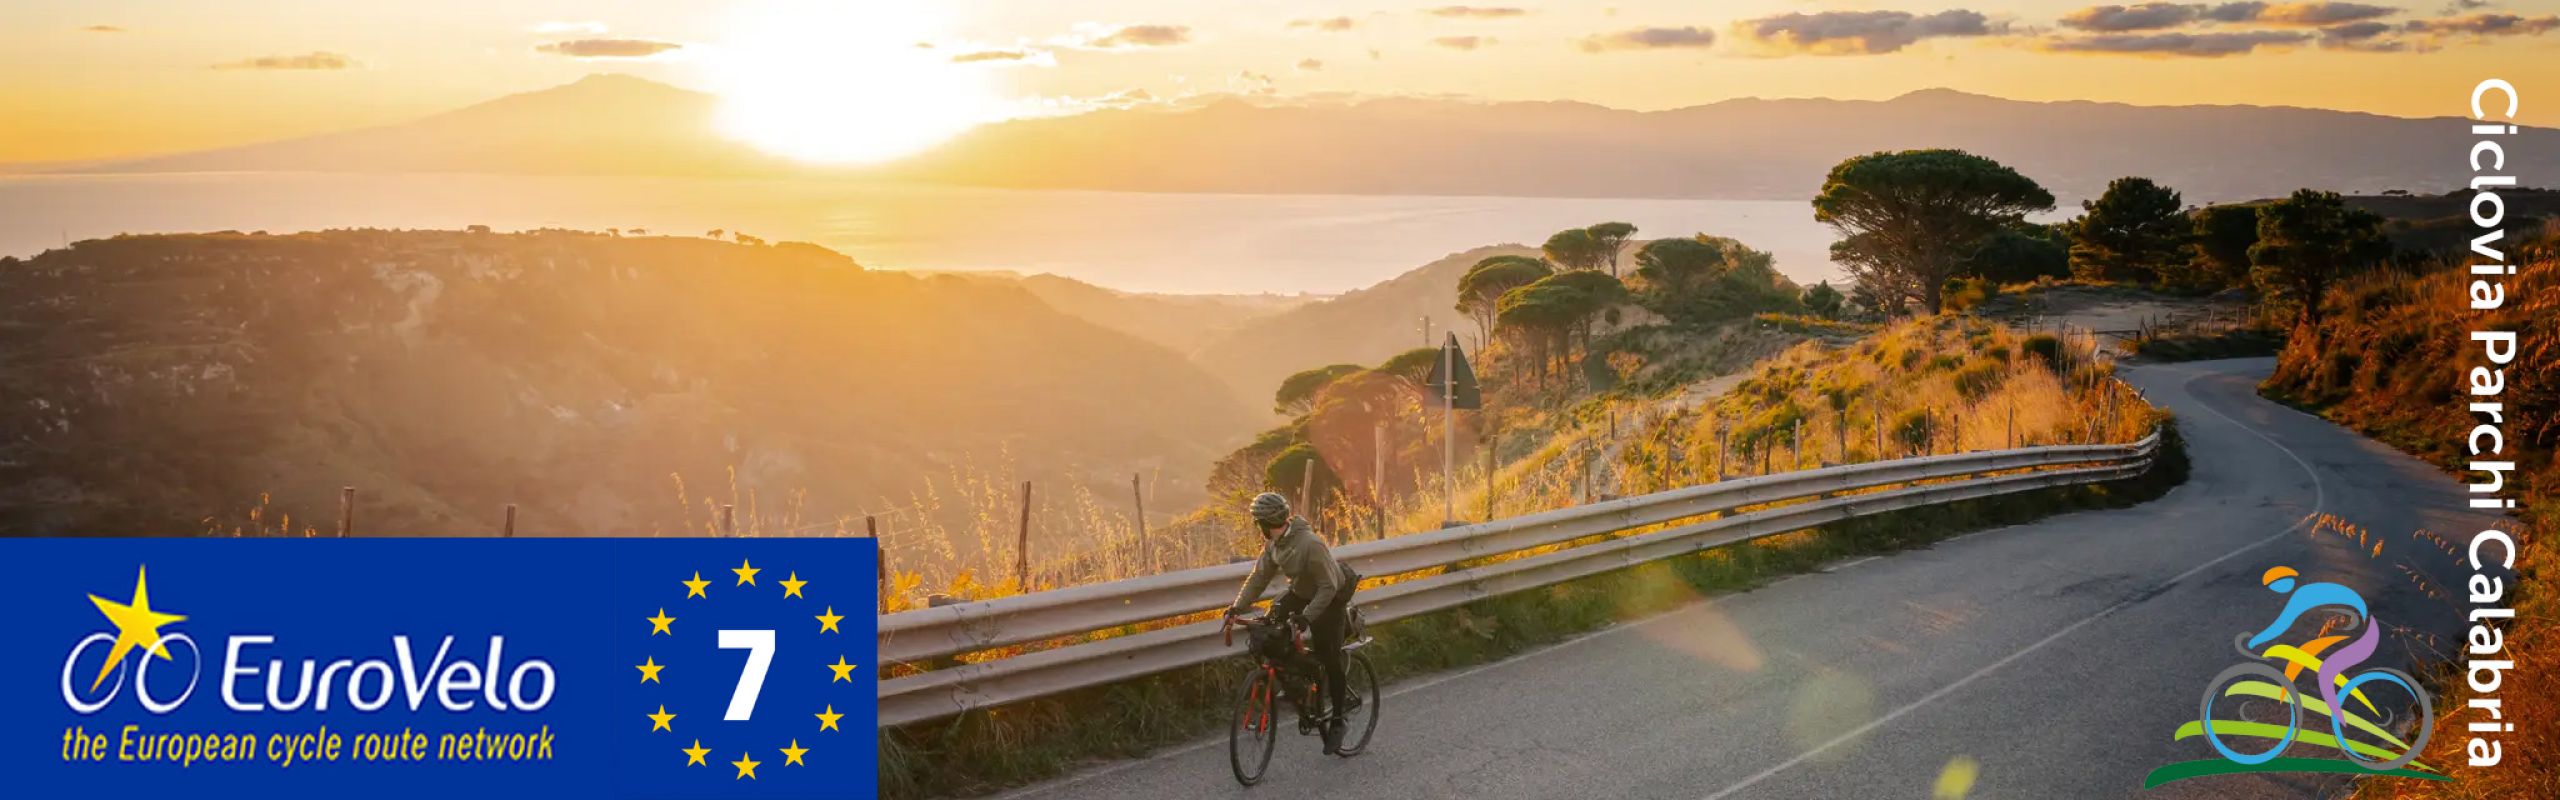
{"x":140,"y":636}
{"x":2268,"y":709}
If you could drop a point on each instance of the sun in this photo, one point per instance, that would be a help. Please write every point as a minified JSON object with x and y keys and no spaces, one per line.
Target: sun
{"x":849,"y":81}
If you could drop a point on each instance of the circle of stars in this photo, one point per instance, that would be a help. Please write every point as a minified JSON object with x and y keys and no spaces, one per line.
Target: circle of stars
{"x":662,"y":624}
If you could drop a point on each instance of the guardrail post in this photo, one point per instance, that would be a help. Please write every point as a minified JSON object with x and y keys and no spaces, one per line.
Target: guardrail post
{"x":510,"y":530}
{"x":346,"y":511}
{"x":728,"y":520}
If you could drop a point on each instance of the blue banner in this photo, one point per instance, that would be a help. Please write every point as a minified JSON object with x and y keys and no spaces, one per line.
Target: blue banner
{"x":445,"y":668}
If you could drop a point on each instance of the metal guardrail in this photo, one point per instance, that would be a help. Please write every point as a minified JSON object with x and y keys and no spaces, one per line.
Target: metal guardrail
{"x":1789,"y":501}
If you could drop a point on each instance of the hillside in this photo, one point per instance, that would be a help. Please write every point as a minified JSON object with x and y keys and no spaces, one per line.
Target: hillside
{"x":1178,"y":322}
{"x":1742,"y":149}
{"x":1365,"y":326}
{"x":158,"y":381}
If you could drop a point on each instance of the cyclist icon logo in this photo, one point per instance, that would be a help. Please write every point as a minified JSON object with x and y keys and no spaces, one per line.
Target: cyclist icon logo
{"x":2358,"y":726}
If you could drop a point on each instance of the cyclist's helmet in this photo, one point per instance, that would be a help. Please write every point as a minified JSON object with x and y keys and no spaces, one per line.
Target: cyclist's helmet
{"x":1270,"y":509}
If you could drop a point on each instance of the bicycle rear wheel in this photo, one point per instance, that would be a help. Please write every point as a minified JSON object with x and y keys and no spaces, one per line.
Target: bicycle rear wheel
{"x":1256,"y":730}
{"x":1363,"y":721}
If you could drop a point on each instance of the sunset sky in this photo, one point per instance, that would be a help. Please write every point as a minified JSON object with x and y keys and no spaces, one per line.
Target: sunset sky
{"x":108,"y":78}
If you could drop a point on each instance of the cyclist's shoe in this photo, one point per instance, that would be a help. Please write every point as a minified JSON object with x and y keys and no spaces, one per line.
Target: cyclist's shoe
{"x":1333,"y":737}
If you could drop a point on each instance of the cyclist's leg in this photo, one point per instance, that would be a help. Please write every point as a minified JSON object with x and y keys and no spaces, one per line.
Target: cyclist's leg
{"x":1325,"y":631}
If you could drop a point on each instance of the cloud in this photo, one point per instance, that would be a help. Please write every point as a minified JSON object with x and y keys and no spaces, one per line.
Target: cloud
{"x":2313,"y":15}
{"x":2211,"y":44}
{"x":2367,"y":36}
{"x":2485,"y":25}
{"x":2232,"y":12}
{"x":1477,"y":12}
{"x":606,"y":48}
{"x":103,"y":29}
{"x":990,"y":55}
{"x":1310,"y":65}
{"x":1650,"y":39}
{"x":316,"y":60}
{"x":2144,"y":17}
{"x":1462,"y":42}
{"x":1861,"y":32}
{"x":1144,"y":36}
{"x":1329,"y":25}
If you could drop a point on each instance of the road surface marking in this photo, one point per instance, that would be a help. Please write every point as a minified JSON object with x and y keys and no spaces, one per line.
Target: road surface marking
{"x":2319,"y":501}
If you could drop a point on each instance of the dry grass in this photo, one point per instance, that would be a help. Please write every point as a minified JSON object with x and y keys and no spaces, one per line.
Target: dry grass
{"x":2377,"y":361}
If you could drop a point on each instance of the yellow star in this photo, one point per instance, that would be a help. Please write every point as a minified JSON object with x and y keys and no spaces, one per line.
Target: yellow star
{"x":658,"y":624}
{"x":827,"y":719}
{"x":658,"y":721}
{"x":844,"y":671}
{"x":693,"y":588}
{"x":827,"y":621}
{"x":649,"y":671}
{"x":791,"y":755}
{"x":693,"y":755}
{"x":746,"y":765}
{"x":136,"y":626}
{"x":746,"y":573}
{"x":791,"y":586}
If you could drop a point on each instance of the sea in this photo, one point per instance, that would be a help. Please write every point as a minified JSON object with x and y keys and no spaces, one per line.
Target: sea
{"x":1132,"y":241}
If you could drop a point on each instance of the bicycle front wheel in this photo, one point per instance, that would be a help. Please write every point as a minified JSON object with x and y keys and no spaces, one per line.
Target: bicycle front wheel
{"x":1256,"y":730}
{"x":1363,"y":721}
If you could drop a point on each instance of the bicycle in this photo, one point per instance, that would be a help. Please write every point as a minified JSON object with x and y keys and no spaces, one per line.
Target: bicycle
{"x":1284,"y":668}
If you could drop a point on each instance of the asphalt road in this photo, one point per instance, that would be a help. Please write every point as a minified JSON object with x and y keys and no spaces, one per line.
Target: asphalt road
{"x":2057,"y":656}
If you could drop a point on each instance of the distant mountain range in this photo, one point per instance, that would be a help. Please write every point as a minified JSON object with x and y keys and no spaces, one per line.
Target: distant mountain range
{"x":1743,"y":149}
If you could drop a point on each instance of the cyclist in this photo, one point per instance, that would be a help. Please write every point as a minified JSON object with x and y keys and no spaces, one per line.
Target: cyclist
{"x":1317,"y":585}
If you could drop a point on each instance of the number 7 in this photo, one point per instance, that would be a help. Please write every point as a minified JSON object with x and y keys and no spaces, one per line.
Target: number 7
{"x":759,"y":647}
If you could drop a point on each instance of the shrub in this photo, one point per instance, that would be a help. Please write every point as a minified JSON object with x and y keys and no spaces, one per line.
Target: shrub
{"x":1914,"y":430}
{"x":1979,"y":379}
{"x":2047,"y":347}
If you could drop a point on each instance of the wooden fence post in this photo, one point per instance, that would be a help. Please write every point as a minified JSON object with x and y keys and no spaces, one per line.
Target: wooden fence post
{"x":1378,"y":475}
{"x":1724,"y":446}
{"x":346,"y":511}
{"x":871,"y":527}
{"x":1022,"y":544}
{"x":510,"y":530}
{"x":728,"y":520}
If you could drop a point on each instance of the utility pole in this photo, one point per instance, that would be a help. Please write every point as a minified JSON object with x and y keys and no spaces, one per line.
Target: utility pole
{"x":1448,"y":428}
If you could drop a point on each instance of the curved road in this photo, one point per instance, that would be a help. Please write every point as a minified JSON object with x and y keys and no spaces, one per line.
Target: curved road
{"x":2058,"y":656}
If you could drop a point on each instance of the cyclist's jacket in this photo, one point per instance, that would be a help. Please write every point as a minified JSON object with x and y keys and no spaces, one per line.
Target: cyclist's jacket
{"x":1313,"y":574}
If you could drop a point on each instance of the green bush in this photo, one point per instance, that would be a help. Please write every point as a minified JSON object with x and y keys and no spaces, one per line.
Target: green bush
{"x":1914,"y":430}
{"x":1979,"y":378}
{"x":2047,"y":347}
